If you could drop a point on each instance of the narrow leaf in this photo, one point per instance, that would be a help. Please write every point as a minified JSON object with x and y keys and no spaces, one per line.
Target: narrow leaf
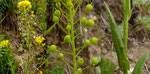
{"x":50,"y":28}
{"x":140,"y":64}
{"x":2,"y":19}
{"x":118,"y":43}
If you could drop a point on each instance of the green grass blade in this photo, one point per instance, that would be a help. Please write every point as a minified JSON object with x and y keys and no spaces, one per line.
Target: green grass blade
{"x":140,"y":64}
{"x":118,"y":43}
{"x":2,"y":19}
{"x":50,"y":28}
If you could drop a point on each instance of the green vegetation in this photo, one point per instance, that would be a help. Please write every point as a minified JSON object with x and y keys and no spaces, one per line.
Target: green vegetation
{"x":121,"y":45}
{"x":39,"y":54}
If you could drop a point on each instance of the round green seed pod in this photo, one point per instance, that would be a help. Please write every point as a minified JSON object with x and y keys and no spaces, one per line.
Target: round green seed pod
{"x":55,"y":19}
{"x":67,"y":38}
{"x":94,"y":61}
{"x":94,"y":40}
{"x":53,"y":48}
{"x":90,"y":23}
{"x":80,"y":61}
{"x":83,"y":20}
{"x":61,"y":55}
{"x":87,"y":42}
{"x":89,"y":7}
{"x":68,"y":27}
{"x":79,"y":70}
{"x":69,"y":4}
{"x":58,"y":4}
{"x":57,"y":13}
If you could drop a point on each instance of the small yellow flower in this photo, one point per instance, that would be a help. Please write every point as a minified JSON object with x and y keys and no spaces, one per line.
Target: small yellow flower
{"x":4,"y":43}
{"x":24,"y":4}
{"x":40,"y":72}
{"x":39,"y":40}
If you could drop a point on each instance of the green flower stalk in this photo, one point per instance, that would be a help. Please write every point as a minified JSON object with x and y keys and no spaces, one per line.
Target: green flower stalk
{"x":70,"y":31}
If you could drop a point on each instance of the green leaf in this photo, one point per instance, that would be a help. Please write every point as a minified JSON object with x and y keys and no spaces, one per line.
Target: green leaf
{"x":2,"y":19}
{"x":140,"y":64}
{"x":2,"y":37}
{"x":107,"y":67}
{"x":57,"y":70}
{"x":145,"y":20}
{"x":118,"y":43}
{"x":50,"y":28}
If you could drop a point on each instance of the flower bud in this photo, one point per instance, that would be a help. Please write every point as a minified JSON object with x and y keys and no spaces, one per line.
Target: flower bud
{"x":55,"y":19}
{"x":19,"y":29}
{"x":89,"y":7}
{"x":67,"y":38}
{"x":80,"y":61}
{"x":32,"y":15}
{"x":61,"y":55}
{"x":79,"y":70}
{"x":90,"y":23}
{"x":94,"y":61}
{"x":32,"y":12}
{"x":87,"y":42}
{"x":35,"y":24}
{"x":19,"y":17}
{"x":94,"y":41}
{"x":83,"y":20}
{"x":57,"y":13}
{"x":52,"y":48}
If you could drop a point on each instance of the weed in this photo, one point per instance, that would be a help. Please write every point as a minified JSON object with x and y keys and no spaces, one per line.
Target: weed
{"x":121,"y":44}
{"x":7,"y":62}
{"x":72,"y":7}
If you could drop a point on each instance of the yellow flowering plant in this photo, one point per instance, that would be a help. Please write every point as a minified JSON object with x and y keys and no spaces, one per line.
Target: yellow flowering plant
{"x":24,"y":4}
{"x":29,"y":33}
{"x":39,"y":40}
{"x":4,"y":43}
{"x":7,"y":60}
{"x":27,"y":29}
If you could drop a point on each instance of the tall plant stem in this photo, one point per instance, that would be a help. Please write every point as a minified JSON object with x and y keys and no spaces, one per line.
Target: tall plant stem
{"x":71,"y":17}
{"x":126,"y":5}
{"x":125,"y":37}
{"x":27,"y":32}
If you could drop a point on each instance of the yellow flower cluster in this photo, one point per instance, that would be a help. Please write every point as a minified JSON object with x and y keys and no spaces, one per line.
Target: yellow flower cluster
{"x":4,"y":43}
{"x":24,"y":4}
{"x":39,"y":40}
